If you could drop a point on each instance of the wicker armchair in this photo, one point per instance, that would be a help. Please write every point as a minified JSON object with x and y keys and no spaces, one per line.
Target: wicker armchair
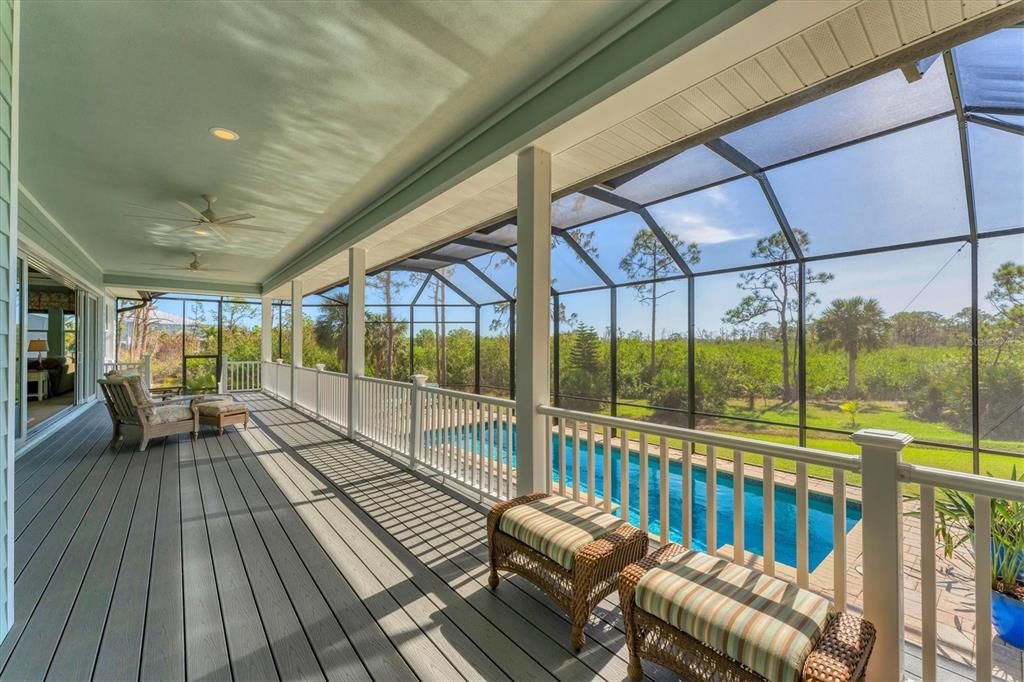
{"x":840,"y":654}
{"x":594,"y":572}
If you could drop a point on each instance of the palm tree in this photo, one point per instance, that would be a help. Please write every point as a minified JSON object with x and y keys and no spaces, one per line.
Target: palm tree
{"x":852,"y":325}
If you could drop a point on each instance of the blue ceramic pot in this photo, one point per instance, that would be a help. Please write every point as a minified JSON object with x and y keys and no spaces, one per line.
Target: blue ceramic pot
{"x":1008,"y":618}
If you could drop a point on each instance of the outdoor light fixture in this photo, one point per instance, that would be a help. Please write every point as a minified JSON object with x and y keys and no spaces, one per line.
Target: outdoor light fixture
{"x":224,"y":134}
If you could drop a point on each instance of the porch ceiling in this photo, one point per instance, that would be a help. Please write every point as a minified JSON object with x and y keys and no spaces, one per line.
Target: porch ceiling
{"x":786,"y":54}
{"x":334,"y":102}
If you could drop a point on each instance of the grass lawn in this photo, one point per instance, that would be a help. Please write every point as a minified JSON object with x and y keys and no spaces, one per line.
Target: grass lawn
{"x":881,"y":415}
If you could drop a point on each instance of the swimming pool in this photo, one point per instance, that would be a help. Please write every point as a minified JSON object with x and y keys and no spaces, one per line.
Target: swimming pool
{"x":819,"y":511}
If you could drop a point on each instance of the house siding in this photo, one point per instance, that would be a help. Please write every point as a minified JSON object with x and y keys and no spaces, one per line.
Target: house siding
{"x":9,"y":29}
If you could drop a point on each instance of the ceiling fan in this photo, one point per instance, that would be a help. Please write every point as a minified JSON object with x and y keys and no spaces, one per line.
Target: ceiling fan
{"x":194,"y":266}
{"x":206,"y":221}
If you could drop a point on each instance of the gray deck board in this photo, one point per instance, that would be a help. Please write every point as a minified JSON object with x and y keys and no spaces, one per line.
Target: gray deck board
{"x":38,"y":468}
{"x":50,"y":614}
{"x":267,"y":548}
{"x":292,"y":652}
{"x":39,"y":512}
{"x":283,"y":552}
{"x":251,"y":657}
{"x":163,"y":643}
{"x":42,"y":555}
{"x":381,"y":658}
{"x":445,"y":617}
{"x":83,"y":629}
{"x":120,"y":649}
{"x":206,"y":643}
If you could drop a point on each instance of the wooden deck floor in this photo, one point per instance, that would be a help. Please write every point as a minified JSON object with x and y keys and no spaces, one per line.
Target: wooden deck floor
{"x":281,"y":552}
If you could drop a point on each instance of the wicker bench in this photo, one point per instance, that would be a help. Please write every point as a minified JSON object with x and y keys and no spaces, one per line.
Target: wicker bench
{"x":760,"y":628}
{"x":571,"y":551}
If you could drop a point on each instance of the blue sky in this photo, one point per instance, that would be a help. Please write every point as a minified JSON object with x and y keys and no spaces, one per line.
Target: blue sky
{"x":898,"y":188}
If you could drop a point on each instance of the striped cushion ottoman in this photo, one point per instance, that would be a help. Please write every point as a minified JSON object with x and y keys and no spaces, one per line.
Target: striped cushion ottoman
{"x":570,"y":550}
{"x":705,"y":617}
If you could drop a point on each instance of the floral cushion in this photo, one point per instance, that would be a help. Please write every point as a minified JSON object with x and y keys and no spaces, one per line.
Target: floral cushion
{"x":557,"y":526}
{"x":167,"y":414}
{"x":213,"y":398}
{"x":213,"y":408}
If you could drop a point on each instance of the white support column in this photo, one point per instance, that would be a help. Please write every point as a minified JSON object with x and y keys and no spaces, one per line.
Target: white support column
{"x":296,"y":335}
{"x":883,"y":547}
{"x":415,"y":443}
{"x":356,"y":332}
{"x":266,"y":329}
{"x":533,"y":279}
{"x":296,"y":323}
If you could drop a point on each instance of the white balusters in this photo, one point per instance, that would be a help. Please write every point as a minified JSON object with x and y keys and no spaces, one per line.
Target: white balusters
{"x":644,"y":484}
{"x":839,"y":538}
{"x":802,"y":527}
{"x":768,"y":514}
{"x":606,"y":479}
{"x":562,"y":471}
{"x":982,"y":588}
{"x":575,"y":456}
{"x":663,"y":491}
{"x":687,"y":496}
{"x":737,"y":506}
{"x":711,"y":487}
{"x":591,"y":464}
{"x":929,"y":605}
{"x":624,"y":474}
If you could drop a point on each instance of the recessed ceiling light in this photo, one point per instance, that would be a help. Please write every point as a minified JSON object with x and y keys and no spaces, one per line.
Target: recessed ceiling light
{"x":224,"y":134}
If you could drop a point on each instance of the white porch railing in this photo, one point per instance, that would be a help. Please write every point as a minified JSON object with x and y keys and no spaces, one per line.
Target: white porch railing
{"x":745,"y":499}
{"x":142,"y":367}
{"x":985,"y":490}
{"x":651,"y":473}
{"x":469,"y":438}
{"x":276,"y":379}
{"x":240,"y":375}
{"x":384,"y":411}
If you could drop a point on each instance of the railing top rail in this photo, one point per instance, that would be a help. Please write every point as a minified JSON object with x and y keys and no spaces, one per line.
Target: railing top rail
{"x":329,"y":373}
{"x":300,"y":368}
{"x":501,"y":402}
{"x":244,"y":362}
{"x":967,"y":483}
{"x":389,"y":382}
{"x":794,"y":453}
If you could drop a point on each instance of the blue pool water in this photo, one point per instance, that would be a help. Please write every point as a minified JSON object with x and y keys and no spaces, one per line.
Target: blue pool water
{"x":819,"y":506}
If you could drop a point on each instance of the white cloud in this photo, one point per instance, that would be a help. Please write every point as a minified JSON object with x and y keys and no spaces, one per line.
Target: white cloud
{"x":717,"y":195}
{"x":693,"y":227}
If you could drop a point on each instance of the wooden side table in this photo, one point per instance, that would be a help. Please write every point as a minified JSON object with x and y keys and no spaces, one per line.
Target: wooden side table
{"x":42,"y":379}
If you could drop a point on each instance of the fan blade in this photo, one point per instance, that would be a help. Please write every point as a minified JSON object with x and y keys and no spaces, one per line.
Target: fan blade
{"x":160,"y":217}
{"x":194,"y":211}
{"x":203,"y":268}
{"x":164,"y":267}
{"x":255,"y":228}
{"x":234,"y":218}
{"x":219,"y":232}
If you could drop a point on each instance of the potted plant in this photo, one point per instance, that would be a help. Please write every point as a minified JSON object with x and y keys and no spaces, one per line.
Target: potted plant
{"x":954,"y":528}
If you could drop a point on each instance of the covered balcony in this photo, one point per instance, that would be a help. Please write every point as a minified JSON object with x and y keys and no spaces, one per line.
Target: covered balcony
{"x":745,"y":277}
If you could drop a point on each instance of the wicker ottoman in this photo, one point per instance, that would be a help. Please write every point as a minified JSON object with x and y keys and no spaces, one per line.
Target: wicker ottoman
{"x":221,"y":412}
{"x":730,"y":622}
{"x":571,"y":551}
